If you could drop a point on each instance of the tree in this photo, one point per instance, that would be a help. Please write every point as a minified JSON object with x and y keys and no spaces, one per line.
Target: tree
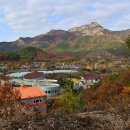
{"x":69,"y":84}
{"x":128,"y":42}
{"x":10,"y":110}
{"x":72,"y":102}
{"x":43,"y":65}
{"x":14,"y":56}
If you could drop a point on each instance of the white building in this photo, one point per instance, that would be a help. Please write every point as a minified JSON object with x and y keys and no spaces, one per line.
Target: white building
{"x":89,"y":80}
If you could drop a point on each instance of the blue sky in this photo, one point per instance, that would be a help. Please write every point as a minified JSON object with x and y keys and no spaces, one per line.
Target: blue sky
{"x":23,"y":18}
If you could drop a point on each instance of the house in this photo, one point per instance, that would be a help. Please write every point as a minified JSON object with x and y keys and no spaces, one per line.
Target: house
{"x":33,"y":76}
{"x":24,"y":66}
{"x":77,"y":87}
{"x":32,"y":97}
{"x":89,"y":80}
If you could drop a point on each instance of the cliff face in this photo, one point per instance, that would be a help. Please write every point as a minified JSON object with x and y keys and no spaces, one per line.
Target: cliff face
{"x":90,"y":29}
{"x":85,"y":38}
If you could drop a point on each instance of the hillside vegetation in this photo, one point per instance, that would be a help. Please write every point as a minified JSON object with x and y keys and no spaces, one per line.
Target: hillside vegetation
{"x":86,"y":38}
{"x":36,"y":54}
{"x":102,"y":107}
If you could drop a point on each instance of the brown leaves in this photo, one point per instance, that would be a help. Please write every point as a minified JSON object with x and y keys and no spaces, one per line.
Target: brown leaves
{"x":10,"y":110}
{"x":109,"y":94}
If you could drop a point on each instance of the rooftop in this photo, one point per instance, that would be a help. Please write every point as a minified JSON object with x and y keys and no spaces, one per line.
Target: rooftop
{"x":29,"y":92}
{"x":41,"y":83}
{"x":33,"y":75}
{"x":91,"y":77}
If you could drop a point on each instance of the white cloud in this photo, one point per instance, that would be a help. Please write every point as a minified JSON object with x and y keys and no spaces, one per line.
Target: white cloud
{"x":33,"y":17}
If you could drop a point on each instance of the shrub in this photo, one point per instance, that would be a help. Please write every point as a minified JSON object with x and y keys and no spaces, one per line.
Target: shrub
{"x":70,"y":102}
{"x":109,"y":94}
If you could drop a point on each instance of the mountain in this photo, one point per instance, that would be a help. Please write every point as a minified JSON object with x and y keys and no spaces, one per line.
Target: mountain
{"x":90,"y":30}
{"x":86,"y":39}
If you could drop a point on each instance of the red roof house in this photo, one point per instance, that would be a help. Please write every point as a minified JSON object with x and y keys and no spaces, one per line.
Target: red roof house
{"x":33,"y":76}
{"x":32,"y":97}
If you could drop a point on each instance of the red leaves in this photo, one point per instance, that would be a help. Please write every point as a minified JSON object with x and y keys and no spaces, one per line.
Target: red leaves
{"x":7,"y":94}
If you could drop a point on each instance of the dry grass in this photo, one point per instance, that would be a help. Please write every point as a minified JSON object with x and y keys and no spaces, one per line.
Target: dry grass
{"x":106,"y":109}
{"x":110,"y":94}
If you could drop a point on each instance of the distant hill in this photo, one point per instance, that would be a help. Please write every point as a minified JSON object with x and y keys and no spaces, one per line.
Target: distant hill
{"x":37,"y":54}
{"x":84,"y":39}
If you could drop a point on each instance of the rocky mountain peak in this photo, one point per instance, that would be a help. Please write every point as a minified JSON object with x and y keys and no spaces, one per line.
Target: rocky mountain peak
{"x":90,"y":29}
{"x":94,"y":24}
{"x":23,"y":41}
{"x":54,"y":32}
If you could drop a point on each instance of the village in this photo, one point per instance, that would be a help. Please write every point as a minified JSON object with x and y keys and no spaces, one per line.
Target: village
{"x":65,"y":65}
{"x":41,"y":82}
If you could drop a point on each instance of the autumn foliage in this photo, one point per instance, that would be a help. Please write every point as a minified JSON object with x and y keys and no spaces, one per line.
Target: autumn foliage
{"x":10,"y":110}
{"x":110,"y":93}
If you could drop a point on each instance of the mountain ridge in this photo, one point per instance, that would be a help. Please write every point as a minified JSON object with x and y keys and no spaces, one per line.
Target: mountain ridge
{"x":85,"y":38}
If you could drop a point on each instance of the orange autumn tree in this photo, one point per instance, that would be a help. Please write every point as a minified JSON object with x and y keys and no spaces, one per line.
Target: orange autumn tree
{"x":10,"y":110}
